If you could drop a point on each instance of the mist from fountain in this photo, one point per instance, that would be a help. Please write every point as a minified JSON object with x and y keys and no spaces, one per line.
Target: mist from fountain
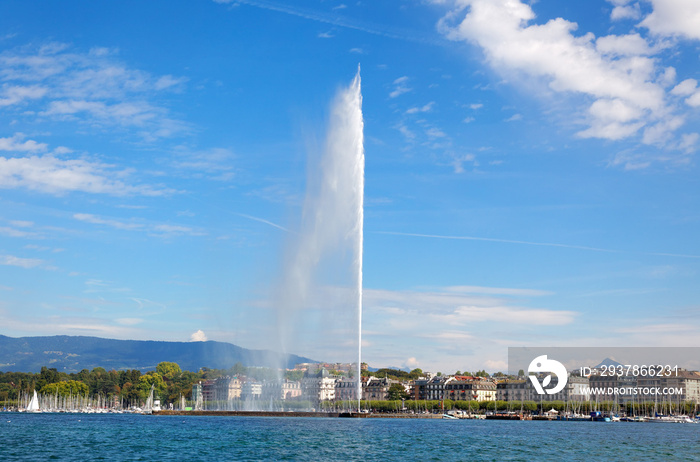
{"x":323,"y":264}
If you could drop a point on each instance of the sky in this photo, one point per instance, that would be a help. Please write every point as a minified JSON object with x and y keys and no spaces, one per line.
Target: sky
{"x":531,"y":171}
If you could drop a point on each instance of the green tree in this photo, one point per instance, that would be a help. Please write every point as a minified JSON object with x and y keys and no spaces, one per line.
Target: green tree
{"x":47,"y":376}
{"x":396,"y":392}
{"x":168,"y":369}
{"x":68,"y":388}
{"x":130,"y":393}
{"x":152,"y":378}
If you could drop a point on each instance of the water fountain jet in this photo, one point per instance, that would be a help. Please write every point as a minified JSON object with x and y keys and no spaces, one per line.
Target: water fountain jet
{"x":326,"y":254}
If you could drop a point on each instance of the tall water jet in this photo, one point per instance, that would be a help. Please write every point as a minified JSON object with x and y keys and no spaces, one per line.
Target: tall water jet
{"x":323,"y":267}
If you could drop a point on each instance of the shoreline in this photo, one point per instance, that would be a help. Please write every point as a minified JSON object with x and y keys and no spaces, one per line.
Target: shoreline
{"x":347,"y":415}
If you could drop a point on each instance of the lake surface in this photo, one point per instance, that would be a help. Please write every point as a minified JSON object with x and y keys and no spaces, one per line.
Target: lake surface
{"x":122,"y":437}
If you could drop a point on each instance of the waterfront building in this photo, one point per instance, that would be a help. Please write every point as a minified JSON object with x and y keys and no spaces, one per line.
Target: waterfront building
{"x":208,"y":390}
{"x":514,"y":390}
{"x":251,"y":389}
{"x":313,"y":368}
{"x":687,"y":381}
{"x":576,"y":390}
{"x":319,"y":388}
{"x":291,"y":389}
{"x":418,"y":388}
{"x":603,"y":388}
{"x":377,"y":388}
{"x":345,"y":389}
{"x":275,"y":390}
{"x":467,"y":388}
{"x":197,"y":392}
{"x":227,"y":388}
{"x":483,"y":390}
{"x":436,"y":387}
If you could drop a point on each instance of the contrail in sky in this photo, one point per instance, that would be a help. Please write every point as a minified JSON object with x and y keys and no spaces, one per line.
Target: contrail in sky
{"x":334,"y":20}
{"x":261,"y":220}
{"x":543,"y":244}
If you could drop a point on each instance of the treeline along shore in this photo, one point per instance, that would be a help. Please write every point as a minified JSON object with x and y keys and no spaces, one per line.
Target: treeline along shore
{"x":314,"y":389}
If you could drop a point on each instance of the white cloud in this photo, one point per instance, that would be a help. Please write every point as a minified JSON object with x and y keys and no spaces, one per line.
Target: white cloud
{"x":16,"y":144}
{"x":176,"y":230}
{"x":425,"y":108}
{"x":458,"y":162}
{"x":125,"y":114}
{"x":88,"y":88}
{"x":623,"y":45}
{"x":160,"y":230}
{"x":13,"y":232}
{"x":674,"y":18}
{"x":453,"y":326}
{"x":662,"y":132}
{"x":615,"y":73}
{"x":470,"y":314}
{"x":94,"y":219}
{"x":623,"y":11}
{"x":53,"y":175}
{"x":10,"y":95}
{"x":168,"y":81}
{"x":689,"y":88}
{"x":198,"y":336}
{"x":438,"y":307}
{"x":435,"y":133}
{"x":10,"y":260}
{"x":685,"y":88}
{"x":694,"y":100}
{"x":689,"y":141}
{"x":214,"y":163}
{"x":406,"y":132}
{"x":630,"y":161}
{"x":400,"y":87}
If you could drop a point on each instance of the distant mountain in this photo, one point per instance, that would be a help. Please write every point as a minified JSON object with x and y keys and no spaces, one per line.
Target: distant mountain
{"x":607,"y":362}
{"x":73,"y":354}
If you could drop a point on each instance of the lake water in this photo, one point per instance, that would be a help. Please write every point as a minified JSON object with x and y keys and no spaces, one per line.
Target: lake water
{"x":122,"y":437}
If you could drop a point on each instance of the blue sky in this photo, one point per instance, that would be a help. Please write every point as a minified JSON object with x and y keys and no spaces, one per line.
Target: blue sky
{"x":531,"y":170}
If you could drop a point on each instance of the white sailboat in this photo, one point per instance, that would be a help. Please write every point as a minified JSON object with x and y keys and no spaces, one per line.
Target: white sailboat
{"x":34,"y":404}
{"x":148,"y":409}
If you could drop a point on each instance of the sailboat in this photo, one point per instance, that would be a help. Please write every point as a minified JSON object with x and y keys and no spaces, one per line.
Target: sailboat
{"x":34,"y":404}
{"x":148,"y":409}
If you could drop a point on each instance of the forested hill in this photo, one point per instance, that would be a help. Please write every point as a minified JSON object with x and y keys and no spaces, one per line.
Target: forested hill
{"x":73,"y":354}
